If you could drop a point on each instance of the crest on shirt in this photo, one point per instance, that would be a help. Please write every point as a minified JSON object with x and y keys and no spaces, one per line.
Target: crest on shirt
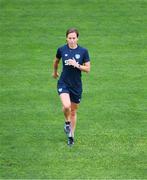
{"x":60,"y":89}
{"x":77,"y":56}
{"x":66,"y":55}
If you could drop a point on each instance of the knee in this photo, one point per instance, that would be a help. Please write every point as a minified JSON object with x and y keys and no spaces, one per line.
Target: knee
{"x":66,"y":107}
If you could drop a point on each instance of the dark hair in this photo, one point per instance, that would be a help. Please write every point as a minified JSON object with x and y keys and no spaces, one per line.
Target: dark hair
{"x":72,"y":30}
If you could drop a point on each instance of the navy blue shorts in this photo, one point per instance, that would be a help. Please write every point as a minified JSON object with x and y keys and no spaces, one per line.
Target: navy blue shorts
{"x":75,"y":94}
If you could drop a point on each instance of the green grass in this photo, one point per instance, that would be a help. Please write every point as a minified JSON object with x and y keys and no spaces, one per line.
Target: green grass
{"x":111,"y":134}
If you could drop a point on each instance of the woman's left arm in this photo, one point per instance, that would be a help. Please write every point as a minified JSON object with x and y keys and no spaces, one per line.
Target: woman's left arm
{"x":85,"y":67}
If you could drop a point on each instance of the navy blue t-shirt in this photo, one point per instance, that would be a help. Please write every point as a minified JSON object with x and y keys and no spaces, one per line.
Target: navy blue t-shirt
{"x":71,"y":75}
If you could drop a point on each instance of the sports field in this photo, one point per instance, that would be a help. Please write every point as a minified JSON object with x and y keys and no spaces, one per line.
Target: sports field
{"x":111,"y":134}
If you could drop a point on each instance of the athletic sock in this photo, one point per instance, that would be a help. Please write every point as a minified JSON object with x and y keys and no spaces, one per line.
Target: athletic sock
{"x":67,"y":122}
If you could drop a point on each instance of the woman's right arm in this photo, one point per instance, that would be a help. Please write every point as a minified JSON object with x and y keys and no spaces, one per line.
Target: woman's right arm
{"x":55,"y":68}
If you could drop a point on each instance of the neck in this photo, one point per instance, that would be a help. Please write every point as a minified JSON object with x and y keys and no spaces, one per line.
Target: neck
{"x":73,"y":47}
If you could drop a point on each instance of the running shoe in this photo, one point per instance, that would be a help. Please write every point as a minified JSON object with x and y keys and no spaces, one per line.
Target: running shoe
{"x":70,"y":141}
{"x":67,"y":129}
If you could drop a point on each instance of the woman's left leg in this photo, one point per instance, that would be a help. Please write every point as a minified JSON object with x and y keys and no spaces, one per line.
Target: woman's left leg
{"x":73,"y":116}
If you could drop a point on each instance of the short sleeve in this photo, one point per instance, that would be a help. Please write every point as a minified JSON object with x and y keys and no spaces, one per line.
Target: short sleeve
{"x":86,"y":56}
{"x":58,"y":54}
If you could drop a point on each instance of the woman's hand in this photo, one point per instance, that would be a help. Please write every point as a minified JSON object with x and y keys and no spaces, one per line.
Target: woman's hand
{"x":72,"y":62}
{"x":55,"y":75}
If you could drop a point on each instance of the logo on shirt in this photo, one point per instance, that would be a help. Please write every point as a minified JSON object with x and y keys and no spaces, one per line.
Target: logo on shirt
{"x":66,"y":62}
{"x":77,"y":56}
{"x":60,"y":89}
{"x":65,"y":55}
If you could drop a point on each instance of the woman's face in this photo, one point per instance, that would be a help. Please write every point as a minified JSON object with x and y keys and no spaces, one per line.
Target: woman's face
{"x":72,"y":40}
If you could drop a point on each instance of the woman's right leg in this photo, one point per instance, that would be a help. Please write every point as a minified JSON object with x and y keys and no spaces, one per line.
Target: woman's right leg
{"x":66,"y":105}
